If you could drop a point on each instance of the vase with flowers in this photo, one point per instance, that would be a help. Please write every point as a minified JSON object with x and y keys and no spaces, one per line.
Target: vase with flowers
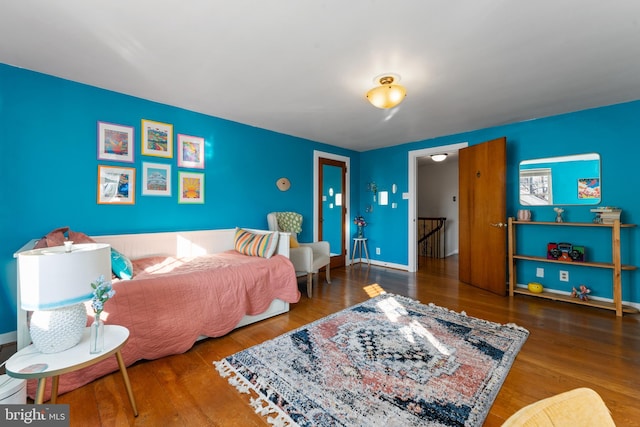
{"x":102,"y":292}
{"x":360,"y":222}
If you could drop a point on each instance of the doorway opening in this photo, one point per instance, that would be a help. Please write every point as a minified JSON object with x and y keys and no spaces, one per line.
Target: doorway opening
{"x":416,"y":159}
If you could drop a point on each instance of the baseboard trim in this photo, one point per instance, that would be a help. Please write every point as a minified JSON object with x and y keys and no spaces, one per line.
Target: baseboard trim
{"x":9,"y":337}
{"x":381,"y":264}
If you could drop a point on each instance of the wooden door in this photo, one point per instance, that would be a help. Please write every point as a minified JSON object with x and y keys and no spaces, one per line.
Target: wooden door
{"x":483,"y":232}
{"x":332,"y":209}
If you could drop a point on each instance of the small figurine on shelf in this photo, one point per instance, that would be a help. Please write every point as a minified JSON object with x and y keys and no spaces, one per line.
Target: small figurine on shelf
{"x":583,"y":293}
{"x":559,"y":212}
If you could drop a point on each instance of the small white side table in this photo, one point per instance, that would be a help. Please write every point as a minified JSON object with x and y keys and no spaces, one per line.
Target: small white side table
{"x":29,"y":363}
{"x":358,"y":244}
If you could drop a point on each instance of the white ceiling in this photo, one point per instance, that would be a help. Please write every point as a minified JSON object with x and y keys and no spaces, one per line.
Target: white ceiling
{"x":303,"y":67}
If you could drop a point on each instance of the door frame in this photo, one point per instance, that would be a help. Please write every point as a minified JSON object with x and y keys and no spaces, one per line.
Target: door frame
{"x":412,"y":250}
{"x":346,"y":200}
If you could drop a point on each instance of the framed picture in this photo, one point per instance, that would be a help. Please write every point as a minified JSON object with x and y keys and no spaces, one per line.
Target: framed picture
{"x":156,"y":179}
{"x":115,"y":142}
{"x":190,"y":187}
{"x":190,"y":152}
{"x":589,"y":188}
{"x":116,"y":185}
{"x":157,"y":139}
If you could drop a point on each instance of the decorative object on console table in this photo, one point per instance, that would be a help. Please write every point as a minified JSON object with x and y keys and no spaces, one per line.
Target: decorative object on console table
{"x":54,"y":282}
{"x":577,"y":253}
{"x":565,"y":252}
{"x":552,"y":251}
{"x":102,"y":292}
{"x":524,"y":215}
{"x":582,"y":293}
{"x":606,"y":214}
{"x":535,"y":287}
{"x":559,"y":212}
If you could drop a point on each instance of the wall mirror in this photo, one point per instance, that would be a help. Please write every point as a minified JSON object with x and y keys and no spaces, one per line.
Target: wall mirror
{"x":565,"y":180}
{"x":332,"y":210}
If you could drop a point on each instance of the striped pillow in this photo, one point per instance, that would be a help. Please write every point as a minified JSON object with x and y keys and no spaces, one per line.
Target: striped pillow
{"x":252,"y":244}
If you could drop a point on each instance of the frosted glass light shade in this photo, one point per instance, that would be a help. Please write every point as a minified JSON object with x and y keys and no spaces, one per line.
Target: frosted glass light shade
{"x":52,"y":278}
{"x":387,"y":95}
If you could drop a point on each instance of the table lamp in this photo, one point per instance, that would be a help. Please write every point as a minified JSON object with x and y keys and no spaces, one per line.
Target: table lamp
{"x":54,"y":282}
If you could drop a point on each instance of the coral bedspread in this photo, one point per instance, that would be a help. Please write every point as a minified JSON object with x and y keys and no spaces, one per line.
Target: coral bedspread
{"x":173,"y":301}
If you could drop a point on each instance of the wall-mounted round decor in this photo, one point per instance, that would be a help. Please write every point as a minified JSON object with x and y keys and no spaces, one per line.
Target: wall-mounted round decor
{"x":283,"y":184}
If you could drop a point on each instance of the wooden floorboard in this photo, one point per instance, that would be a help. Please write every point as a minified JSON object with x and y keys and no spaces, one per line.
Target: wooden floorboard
{"x":569,"y":346}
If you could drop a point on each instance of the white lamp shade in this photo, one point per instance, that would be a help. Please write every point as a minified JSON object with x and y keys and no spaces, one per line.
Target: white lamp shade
{"x":52,"y":277}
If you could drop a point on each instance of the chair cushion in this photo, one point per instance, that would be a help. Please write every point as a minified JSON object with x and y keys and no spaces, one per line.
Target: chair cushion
{"x":290,"y":222}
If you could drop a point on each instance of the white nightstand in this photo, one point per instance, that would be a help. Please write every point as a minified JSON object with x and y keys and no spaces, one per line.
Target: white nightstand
{"x":29,"y":363}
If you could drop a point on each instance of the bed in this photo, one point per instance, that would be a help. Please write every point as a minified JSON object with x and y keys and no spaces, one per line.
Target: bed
{"x":186,"y":286}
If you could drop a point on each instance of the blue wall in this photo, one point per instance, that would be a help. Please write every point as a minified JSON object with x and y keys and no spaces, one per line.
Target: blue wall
{"x":611,"y":131}
{"x":48,"y":167}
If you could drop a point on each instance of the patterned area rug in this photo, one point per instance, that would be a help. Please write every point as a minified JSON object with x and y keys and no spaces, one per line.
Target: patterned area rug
{"x":389,"y":361}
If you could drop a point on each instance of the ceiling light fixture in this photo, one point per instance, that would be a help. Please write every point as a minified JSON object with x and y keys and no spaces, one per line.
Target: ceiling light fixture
{"x":439,"y":157}
{"x":388,"y":94}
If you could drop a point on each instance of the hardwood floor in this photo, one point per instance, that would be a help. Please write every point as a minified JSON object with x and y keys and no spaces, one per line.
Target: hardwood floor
{"x":569,"y":346}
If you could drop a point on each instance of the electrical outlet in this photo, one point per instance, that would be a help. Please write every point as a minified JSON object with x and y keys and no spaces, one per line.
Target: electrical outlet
{"x":540,"y":272}
{"x":377,"y":251}
{"x":564,"y":276}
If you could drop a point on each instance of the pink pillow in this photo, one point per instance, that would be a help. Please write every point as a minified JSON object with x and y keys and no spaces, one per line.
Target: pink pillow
{"x":53,"y":238}
{"x":78,"y":237}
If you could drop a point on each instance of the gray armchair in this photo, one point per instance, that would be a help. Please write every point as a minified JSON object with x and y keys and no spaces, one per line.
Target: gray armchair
{"x":307,"y":258}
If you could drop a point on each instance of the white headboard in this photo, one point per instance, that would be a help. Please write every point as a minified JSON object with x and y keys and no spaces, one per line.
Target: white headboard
{"x":181,"y":243}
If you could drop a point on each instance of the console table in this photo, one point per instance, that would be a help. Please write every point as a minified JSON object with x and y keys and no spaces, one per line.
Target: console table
{"x":615,"y":265}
